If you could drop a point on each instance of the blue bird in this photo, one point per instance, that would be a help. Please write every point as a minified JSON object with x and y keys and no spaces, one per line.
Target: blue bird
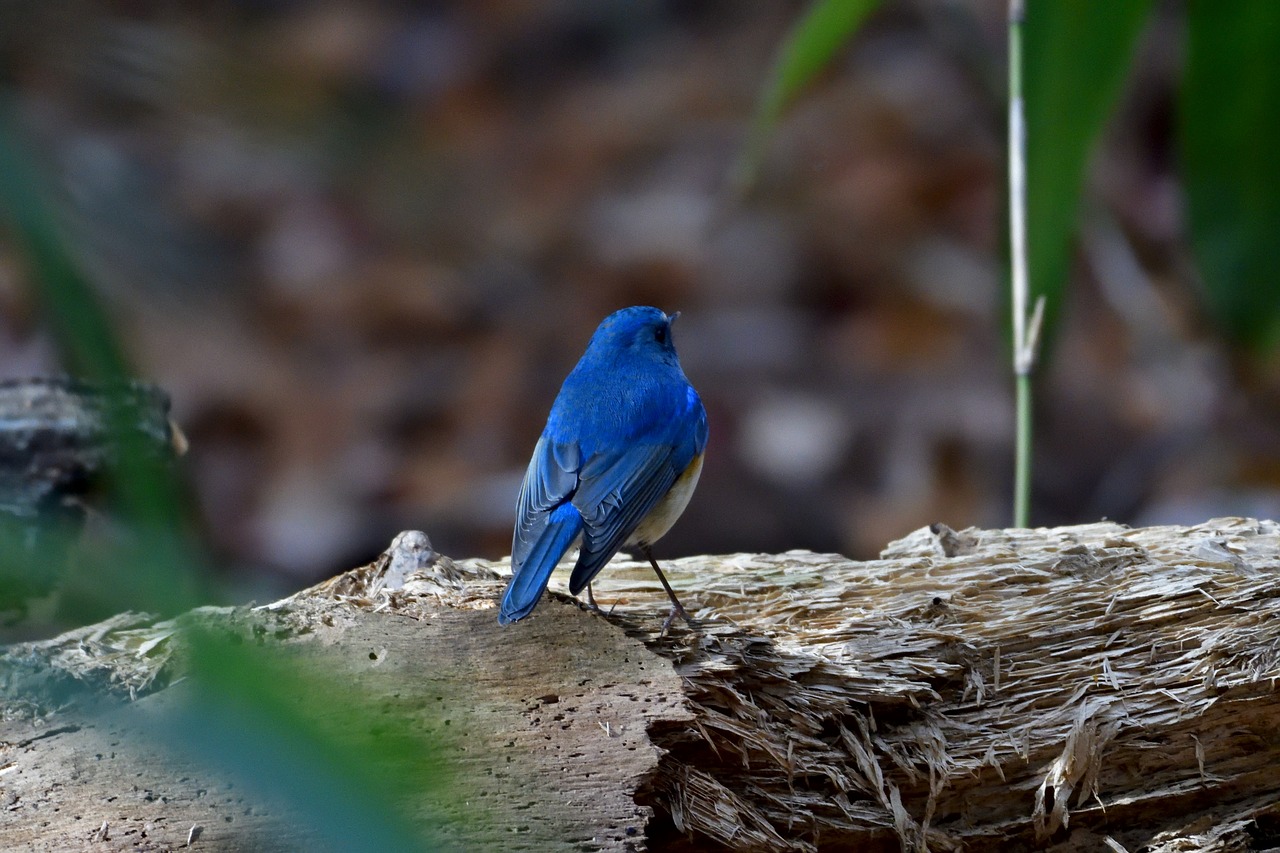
{"x":615,"y":465}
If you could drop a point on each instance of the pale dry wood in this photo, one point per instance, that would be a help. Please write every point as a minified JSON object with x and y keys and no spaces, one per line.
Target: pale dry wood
{"x":1082,"y":688}
{"x":545,"y":728}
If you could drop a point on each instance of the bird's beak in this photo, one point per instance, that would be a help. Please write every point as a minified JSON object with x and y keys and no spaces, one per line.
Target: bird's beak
{"x":671,"y":318}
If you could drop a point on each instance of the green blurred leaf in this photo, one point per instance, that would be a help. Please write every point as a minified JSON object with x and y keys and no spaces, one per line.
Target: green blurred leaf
{"x":1076,"y":55}
{"x":156,"y":574}
{"x":72,"y":310}
{"x":306,"y":739}
{"x":824,"y":29}
{"x":309,"y":741}
{"x":1229,"y":129}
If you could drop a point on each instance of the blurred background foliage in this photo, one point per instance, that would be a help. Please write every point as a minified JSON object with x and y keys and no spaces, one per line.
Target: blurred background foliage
{"x":1077,"y":56}
{"x":1229,"y":109}
{"x":362,"y":243}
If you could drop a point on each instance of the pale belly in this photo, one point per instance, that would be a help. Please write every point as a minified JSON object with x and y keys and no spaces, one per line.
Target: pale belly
{"x":664,"y":514}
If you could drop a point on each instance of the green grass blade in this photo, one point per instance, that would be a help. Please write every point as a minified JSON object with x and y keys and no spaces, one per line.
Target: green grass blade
{"x":303,"y":739}
{"x":69,"y":306}
{"x":306,"y":740}
{"x":1229,"y":125}
{"x":155,"y":575}
{"x":826,"y":27}
{"x":1076,"y":57}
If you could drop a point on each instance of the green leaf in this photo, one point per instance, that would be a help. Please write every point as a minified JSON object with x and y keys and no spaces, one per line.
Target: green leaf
{"x":1076,"y":56}
{"x":815,"y":39}
{"x":71,"y":308}
{"x":154,"y":576}
{"x":1229,"y":127}
{"x":307,"y":740}
{"x":304,"y":739}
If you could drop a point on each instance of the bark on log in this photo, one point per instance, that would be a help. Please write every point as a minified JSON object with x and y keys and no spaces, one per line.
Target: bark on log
{"x":1083,"y":688}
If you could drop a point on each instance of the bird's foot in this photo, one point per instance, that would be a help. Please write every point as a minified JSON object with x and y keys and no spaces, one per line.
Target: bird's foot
{"x":591,"y":602}
{"x":595,"y":608}
{"x":677,"y":610}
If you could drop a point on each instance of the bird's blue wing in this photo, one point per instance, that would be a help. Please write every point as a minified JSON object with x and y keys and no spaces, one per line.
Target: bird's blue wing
{"x":551,"y":480}
{"x":615,"y":495}
{"x":546,"y":524}
{"x":616,"y":491}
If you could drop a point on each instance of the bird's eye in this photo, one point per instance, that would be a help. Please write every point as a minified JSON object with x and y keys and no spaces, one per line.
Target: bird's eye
{"x":660,"y":334}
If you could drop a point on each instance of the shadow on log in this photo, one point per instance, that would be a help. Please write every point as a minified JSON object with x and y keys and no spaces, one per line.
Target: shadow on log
{"x":1083,"y":688}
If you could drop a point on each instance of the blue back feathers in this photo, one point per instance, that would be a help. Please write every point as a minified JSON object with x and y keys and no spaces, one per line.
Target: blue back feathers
{"x":624,"y":427}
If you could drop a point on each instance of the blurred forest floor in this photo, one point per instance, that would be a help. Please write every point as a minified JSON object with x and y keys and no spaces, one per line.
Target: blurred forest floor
{"x":361,"y":245}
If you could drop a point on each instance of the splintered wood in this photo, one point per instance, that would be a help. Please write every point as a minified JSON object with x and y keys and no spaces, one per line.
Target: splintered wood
{"x":1083,"y":688}
{"x":979,"y":690}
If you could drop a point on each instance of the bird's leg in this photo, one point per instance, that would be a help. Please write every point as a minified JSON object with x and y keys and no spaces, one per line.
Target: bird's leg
{"x":595,"y":608}
{"x":676,"y":607}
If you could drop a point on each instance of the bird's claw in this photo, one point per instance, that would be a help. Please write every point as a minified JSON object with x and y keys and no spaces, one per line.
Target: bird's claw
{"x":677,"y":610}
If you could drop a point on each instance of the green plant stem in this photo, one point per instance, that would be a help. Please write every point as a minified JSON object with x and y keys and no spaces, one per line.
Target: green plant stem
{"x":1022,"y":451}
{"x":1025,"y":328}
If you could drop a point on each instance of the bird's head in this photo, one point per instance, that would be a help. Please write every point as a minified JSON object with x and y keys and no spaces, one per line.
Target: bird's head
{"x":640,"y":330}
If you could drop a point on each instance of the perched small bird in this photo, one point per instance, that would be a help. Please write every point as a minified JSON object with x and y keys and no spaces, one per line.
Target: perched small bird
{"x":616,"y":463}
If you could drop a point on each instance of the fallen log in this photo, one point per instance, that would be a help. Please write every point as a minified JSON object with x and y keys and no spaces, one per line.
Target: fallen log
{"x":1082,"y":688}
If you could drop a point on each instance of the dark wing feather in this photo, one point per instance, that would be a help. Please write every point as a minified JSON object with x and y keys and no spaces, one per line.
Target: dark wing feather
{"x":546,"y":525}
{"x":615,"y":493}
{"x":551,"y":480}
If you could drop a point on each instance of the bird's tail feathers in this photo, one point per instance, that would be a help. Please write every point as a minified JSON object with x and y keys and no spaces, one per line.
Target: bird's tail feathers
{"x":530,"y":580}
